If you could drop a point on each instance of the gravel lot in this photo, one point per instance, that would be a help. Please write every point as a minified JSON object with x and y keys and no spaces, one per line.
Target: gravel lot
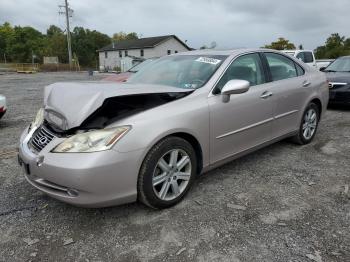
{"x":282,"y":203}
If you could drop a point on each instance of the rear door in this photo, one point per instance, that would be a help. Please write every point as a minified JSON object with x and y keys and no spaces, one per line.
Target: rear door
{"x":289,"y":87}
{"x":246,"y":120}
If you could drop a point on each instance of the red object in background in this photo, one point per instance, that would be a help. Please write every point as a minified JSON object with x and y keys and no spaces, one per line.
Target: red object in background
{"x":2,"y":109}
{"x":122,"y":77}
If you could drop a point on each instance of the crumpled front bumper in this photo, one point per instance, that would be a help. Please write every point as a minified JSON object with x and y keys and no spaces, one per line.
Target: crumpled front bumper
{"x":97,"y":179}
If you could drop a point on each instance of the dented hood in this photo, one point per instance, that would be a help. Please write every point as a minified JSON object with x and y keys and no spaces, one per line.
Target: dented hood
{"x":67,"y":105}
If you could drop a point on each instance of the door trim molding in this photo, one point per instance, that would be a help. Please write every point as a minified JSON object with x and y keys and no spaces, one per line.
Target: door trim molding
{"x":257,"y":124}
{"x":245,"y":128}
{"x":286,"y":114}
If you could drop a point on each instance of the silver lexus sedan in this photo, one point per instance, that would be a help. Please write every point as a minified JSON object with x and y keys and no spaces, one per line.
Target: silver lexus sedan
{"x":99,"y":144}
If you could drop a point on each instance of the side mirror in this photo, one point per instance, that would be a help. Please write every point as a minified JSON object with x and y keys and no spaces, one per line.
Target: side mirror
{"x":322,"y":69}
{"x":233,"y":87}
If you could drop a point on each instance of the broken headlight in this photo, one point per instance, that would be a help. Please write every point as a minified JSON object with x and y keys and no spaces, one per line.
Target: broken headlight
{"x":92,"y":141}
{"x":38,"y":120}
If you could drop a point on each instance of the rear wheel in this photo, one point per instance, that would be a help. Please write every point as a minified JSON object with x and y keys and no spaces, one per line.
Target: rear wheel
{"x":308,"y":125}
{"x":167,"y":173}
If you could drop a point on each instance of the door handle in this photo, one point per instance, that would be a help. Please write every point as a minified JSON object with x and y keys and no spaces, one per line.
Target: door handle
{"x":306,"y":83}
{"x":266,"y":94}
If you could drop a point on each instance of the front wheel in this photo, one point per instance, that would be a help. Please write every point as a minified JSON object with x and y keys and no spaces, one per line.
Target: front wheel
{"x":308,"y":125}
{"x":167,"y":173}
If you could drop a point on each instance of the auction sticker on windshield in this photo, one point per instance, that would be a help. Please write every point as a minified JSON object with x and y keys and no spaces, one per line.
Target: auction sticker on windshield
{"x":208,"y":60}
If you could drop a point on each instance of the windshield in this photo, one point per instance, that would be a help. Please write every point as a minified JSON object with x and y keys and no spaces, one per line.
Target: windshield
{"x":139,"y":66}
{"x":340,"y":65}
{"x":183,"y":71}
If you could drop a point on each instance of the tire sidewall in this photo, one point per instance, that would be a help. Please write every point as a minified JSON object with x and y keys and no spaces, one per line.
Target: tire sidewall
{"x":301,"y":135}
{"x":146,"y":186}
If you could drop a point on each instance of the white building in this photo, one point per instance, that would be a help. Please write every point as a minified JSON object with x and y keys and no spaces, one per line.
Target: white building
{"x":124,"y":54}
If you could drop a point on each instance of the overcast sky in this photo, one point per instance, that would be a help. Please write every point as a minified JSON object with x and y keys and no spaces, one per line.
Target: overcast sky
{"x":231,"y":23}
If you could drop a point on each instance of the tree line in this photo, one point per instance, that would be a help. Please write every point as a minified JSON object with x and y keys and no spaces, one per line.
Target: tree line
{"x":19,"y":44}
{"x":334,"y":47}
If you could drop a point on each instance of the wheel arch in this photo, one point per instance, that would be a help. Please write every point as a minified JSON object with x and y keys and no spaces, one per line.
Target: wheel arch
{"x":196,"y":146}
{"x":318,"y":102}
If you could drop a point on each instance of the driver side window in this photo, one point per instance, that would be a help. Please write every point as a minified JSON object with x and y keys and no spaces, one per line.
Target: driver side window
{"x":246,"y":67}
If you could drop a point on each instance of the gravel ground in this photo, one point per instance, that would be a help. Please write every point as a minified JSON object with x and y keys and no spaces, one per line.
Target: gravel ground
{"x":282,"y":203}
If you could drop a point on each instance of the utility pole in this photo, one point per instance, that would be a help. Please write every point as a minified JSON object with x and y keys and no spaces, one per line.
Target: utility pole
{"x":69,"y":13}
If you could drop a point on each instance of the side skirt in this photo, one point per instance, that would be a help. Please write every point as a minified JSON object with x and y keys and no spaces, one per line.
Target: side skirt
{"x":245,"y":152}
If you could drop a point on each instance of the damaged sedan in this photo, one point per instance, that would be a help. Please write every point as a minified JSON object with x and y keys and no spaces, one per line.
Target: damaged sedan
{"x":95,"y":145}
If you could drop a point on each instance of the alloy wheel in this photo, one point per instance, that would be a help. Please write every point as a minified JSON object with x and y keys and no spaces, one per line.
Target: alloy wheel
{"x":172,"y":174}
{"x":309,"y":123}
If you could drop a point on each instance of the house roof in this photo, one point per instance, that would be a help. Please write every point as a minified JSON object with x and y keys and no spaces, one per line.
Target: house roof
{"x":148,"y":42}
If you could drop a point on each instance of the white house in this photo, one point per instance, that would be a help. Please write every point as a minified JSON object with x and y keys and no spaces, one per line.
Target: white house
{"x":124,"y":54}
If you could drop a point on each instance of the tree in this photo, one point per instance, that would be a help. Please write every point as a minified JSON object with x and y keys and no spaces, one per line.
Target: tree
{"x":122,"y":36}
{"x":56,"y":45}
{"x":53,"y":30}
{"x":334,"y":47}
{"x":6,"y":33}
{"x":212,"y":46}
{"x":23,"y":42}
{"x":281,"y":44}
{"x":85,"y":43}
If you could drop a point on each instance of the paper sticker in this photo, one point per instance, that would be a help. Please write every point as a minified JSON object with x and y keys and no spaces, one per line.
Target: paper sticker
{"x":208,"y":60}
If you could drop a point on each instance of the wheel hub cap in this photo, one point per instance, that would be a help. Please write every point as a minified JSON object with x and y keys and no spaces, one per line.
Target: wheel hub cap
{"x":309,"y":124}
{"x":172,"y":174}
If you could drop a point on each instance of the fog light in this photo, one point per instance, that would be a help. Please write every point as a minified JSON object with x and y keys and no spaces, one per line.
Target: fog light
{"x":40,"y":161}
{"x":72,"y":192}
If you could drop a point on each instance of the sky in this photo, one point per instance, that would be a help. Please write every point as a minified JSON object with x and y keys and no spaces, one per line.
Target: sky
{"x":230,"y":23}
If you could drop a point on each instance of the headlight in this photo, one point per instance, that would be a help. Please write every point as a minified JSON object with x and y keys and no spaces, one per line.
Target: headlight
{"x":92,"y":141}
{"x":38,"y":120}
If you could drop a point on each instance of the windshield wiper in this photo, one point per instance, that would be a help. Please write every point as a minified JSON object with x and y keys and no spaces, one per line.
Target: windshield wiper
{"x":332,"y":71}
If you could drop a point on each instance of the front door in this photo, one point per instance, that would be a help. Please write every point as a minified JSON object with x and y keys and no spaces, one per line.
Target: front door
{"x":245,"y":121}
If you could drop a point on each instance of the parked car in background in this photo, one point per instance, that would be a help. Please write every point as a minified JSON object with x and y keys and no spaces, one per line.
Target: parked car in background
{"x":323,"y":63}
{"x":180,"y":116}
{"x":122,"y":77}
{"x":307,"y":56}
{"x":338,"y":75}
{"x":2,"y":106}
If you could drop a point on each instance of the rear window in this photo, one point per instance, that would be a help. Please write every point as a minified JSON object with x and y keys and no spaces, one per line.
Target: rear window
{"x":306,"y":57}
{"x":281,"y":67}
{"x":309,"y":58}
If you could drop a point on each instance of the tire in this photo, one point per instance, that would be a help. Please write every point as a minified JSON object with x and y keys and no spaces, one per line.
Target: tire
{"x":300,"y":138}
{"x":159,"y":167}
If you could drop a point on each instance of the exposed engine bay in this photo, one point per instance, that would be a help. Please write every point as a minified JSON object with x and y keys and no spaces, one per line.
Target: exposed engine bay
{"x":116,"y":108}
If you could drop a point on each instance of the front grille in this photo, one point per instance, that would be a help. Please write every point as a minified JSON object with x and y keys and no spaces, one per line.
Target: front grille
{"x":40,"y":139}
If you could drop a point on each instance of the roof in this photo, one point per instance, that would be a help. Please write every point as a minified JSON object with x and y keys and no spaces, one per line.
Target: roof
{"x":223,"y":52}
{"x":227,"y":52}
{"x":148,"y":42}
{"x":295,"y":50}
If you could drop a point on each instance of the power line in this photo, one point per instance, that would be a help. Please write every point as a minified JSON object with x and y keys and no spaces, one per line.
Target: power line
{"x":68,"y":12}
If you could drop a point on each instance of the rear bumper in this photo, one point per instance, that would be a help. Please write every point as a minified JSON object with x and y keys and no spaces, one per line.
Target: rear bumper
{"x":84,"y":179}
